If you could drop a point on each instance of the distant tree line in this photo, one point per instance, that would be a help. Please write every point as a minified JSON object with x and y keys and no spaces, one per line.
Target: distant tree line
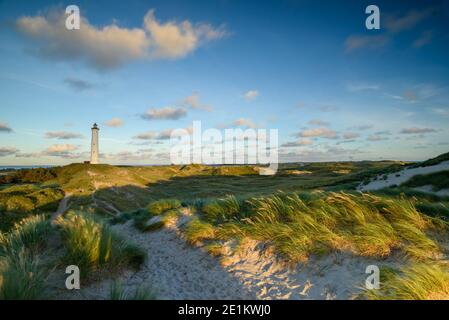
{"x":37,"y":175}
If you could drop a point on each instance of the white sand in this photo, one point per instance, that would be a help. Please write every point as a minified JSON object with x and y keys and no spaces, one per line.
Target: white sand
{"x":176,"y":270}
{"x":429,"y":189}
{"x":402,"y":176}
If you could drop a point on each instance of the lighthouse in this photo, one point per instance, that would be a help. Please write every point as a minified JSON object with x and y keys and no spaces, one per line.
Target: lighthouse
{"x":94,"y":149}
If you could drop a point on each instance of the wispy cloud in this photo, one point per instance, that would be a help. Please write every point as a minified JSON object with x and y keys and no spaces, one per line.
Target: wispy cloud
{"x":356,"y":87}
{"x":355,"y":42}
{"x":318,"y":133}
{"x":375,"y":138}
{"x":62,"y":150}
{"x":424,"y":39}
{"x":4,"y":127}
{"x":78,"y":84}
{"x":362,"y":127}
{"x":417,"y":130}
{"x":395,"y":23}
{"x":111,"y":46}
{"x":441,"y":111}
{"x":167,"y":113}
{"x":245,"y":123}
{"x":63,"y":135}
{"x":193,"y":101}
{"x":350,"y":135}
{"x":318,"y":122}
{"x":7,"y":151}
{"x":114,"y":123}
{"x":159,"y":135}
{"x":251,"y":95}
{"x":298,"y":143}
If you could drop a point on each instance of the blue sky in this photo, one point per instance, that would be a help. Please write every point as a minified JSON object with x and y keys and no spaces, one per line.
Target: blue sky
{"x":333,"y":89}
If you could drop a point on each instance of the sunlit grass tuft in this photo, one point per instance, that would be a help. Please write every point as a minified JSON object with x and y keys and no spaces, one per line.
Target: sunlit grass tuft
{"x":198,"y":230}
{"x":22,"y":276}
{"x":163,"y":205}
{"x":222,"y":209}
{"x":416,"y":282}
{"x":91,"y":245}
{"x":299,"y":225}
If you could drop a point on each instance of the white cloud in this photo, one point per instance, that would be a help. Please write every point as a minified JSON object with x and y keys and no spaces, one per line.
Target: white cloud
{"x":7,"y":151}
{"x":251,"y":95}
{"x":355,"y":42}
{"x":158,"y":135}
{"x":111,"y":46}
{"x":375,"y":138}
{"x":63,"y":135}
{"x":61,"y":150}
{"x":246,"y":123}
{"x":193,"y":101}
{"x":408,"y":21}
{"x":318,"y":122}
{"x":350,"y":135}
{"x":441,"y":111}
{"x":167,"y":113}
{"x":424,"y":39}
{"x":416,"y":130}
{"x":318,"y":133}
{"x":175,"y":40}
{"x":4,"y":127}
{"x":114,"y":123}
{"x":78,"y":84}
{"x":361,"y":127}
{"x":298,"y":143}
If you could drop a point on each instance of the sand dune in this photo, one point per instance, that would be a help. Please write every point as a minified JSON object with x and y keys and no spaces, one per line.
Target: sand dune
{"x":402,"y":176}
{"x":177,"y":270}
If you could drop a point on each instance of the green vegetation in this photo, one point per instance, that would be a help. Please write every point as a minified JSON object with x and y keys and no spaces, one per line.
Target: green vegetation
{"x":416,"y":282}
{"x":198,"y":230}
{"x":299,"y":225}
{"x":434,"y":161}
{"x":438,"y":180}
{"x":164,"y":210}
{"x":20,"y":201}
{"x":22,"y":275}
{"x":163,"y":205}
{"x":222,"y":209}
{"x":92,"y":246}
{"x":118,"y":292}
{"x":37,"y":175}
{"x":109,"y":189}
{"x":305,"y":209}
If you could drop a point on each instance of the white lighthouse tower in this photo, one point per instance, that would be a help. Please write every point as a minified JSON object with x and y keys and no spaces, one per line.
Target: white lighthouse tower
{"x":94,"y":149}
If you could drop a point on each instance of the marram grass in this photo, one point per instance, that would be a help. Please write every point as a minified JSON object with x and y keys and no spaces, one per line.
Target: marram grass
{"x":91,"y":245}
{"x":22,"y":276}
{"x":416,"y":282}
{"x":300,"y":225}
{"x":118,"y":292}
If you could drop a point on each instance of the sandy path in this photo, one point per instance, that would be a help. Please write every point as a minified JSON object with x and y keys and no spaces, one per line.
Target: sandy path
{"x":402,"y":176}
{"x":62,"y":207}
{"x":176,"y":270}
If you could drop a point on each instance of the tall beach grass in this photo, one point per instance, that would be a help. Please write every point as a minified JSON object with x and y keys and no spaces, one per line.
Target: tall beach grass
{"x":92,"y":246}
